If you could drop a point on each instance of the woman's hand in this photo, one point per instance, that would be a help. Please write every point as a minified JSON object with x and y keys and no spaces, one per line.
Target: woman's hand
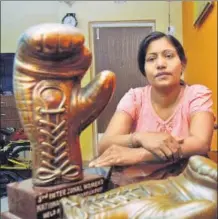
{"x":162,"y":145}
{"x":119,"y":156}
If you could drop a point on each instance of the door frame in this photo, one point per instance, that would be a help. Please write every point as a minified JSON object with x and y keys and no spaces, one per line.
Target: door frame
{"x":103,"y":24}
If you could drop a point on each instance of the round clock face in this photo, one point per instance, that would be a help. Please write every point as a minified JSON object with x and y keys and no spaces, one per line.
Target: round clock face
{"x":69,"y":19}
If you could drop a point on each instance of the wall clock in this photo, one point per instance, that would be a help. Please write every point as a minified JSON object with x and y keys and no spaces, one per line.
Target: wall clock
{"x":70,"y":18}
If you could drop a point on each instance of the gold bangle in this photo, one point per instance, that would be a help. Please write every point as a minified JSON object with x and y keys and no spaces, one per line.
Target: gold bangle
{"x":131,"y":143}
{"x":180,"y":152}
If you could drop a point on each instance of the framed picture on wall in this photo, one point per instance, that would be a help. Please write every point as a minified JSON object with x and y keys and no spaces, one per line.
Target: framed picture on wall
{"x":201,"y":10}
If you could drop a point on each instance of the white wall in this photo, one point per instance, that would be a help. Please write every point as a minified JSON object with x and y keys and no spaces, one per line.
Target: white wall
{"x":16,"y":16}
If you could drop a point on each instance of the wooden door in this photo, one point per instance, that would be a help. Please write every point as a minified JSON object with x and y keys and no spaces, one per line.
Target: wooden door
{"x":115,"y":49}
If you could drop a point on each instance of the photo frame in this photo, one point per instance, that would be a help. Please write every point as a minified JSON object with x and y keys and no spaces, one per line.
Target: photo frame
{"x":201,"y":10}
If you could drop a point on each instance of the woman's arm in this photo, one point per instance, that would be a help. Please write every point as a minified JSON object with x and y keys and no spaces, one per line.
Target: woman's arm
{"x":201,"y":132}
{"x":114,"y":145}
{"x":114,"y":148}
{"x":197,"y":143}
{"x":117,"y":132}
{"x":120,"y":156}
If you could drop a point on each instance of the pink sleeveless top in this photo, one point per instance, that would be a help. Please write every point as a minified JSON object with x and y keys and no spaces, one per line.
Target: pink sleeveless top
{"x":137,"y":103}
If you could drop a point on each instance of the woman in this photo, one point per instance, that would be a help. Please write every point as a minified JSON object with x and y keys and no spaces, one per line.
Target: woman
{"x":158,"y":126}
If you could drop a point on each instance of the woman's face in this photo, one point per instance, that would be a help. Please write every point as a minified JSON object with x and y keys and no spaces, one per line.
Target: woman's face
{"x":163,"y":66}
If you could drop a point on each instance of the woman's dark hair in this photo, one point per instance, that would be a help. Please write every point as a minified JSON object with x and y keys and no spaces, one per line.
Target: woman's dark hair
{"x":155,"y":36}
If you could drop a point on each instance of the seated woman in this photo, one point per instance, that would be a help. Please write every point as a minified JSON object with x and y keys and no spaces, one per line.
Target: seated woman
{"x":157,"y":127}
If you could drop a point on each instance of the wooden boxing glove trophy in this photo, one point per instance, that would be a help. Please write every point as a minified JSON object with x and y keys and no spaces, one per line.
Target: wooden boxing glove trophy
{"x":50,"y":62}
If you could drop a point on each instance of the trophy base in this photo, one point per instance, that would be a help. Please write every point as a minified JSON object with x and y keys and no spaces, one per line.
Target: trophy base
{"x":26,"y":201}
